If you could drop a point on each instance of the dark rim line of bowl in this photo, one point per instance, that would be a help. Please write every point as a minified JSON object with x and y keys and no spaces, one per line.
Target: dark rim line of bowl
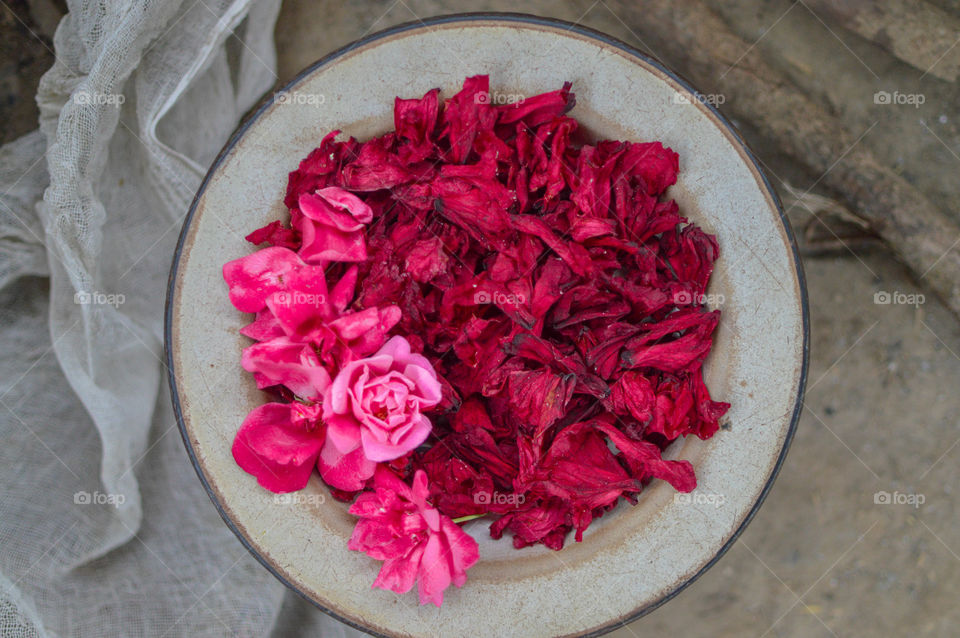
{"x":519,"y":18}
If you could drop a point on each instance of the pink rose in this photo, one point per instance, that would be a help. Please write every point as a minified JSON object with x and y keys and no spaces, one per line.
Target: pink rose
{"x":416,"y":542}
{"x":373,"y":408}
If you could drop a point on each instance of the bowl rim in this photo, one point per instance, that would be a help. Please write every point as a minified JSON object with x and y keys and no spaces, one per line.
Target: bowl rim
{"x":516,"y":19}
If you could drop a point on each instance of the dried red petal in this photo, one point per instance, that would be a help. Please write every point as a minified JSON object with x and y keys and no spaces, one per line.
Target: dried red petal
{"x":536,"y":110}
{"x":275,"y":234}
{"x":465,"y":115}
{"x":415,"y":121}
{"x":427,"y":259}
{"x":539,"y":397}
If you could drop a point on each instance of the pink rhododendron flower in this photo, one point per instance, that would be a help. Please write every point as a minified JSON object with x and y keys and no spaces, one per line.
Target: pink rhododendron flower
{"x":279,"y":444}
{"x":413,"y":539}
{"x":375,"y":404}
{"x":303,"y":326}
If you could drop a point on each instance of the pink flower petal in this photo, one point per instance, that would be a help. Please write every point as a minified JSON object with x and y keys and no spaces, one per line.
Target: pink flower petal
{"x":434,"y":573}
{"x":464,"y":551}
{"x":303,"y":306}
{"x":278,"y":453}
{"x":427,"y":385}
{"x":332,"y":225}
{"x":420,"y":489}
{"x":281,"y":361}
{"x":322,"y":244}
{"x":263,"y":328}
{"x":257,"y":276}
{"x":345,"y":471}
{"x":387,"y":451}
{"x":317,"y":208}
{"x":343,"y":433}
{"x":373,"y":335}
{"x":354,"y":325}
{"x":399,"y":574}
{"x":342,"y":294}
{"x":347,"y":201}
{"x":396,"y":348}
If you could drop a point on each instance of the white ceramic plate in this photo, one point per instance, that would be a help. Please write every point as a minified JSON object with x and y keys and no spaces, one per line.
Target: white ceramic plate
{"x":634,"y":558}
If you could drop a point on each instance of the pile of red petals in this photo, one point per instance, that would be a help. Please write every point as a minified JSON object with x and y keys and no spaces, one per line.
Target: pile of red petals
{"x":476,"y":314}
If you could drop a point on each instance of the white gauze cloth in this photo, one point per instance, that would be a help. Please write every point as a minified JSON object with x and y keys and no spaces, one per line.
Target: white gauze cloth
{"x":104,"y":528}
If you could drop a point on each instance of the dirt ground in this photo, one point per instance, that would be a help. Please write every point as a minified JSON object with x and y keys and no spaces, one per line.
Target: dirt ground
{"x":822,"y":557}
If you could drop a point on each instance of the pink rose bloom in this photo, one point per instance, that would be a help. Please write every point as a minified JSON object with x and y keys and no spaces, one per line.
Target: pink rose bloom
{"x":373,"y":412}
{"x":279,"y":444}
{"x":416,"y":542}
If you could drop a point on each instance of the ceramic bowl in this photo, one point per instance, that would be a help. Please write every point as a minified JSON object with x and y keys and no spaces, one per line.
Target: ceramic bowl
{"x":635,"y":557}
